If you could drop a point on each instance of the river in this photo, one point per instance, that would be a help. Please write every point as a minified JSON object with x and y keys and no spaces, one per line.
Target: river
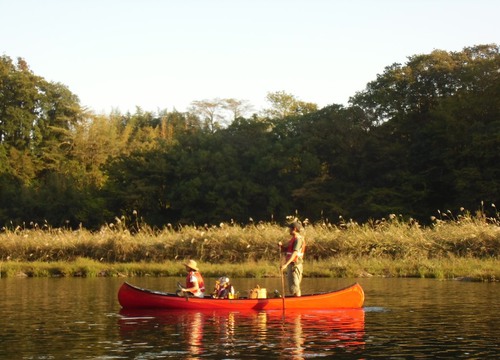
{"x":75,"y":318}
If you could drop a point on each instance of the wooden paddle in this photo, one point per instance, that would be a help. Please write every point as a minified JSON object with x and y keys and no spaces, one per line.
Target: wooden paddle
{"x":282,"y":280}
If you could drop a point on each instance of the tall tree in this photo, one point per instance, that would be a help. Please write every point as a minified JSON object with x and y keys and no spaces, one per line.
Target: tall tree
{"x":284,"y":105}
{"x":19,"y":104}
{"x":237,"y":108}
{"x":36,"y":116}
{"x":434,"y":111}
{"x":209,"y":111}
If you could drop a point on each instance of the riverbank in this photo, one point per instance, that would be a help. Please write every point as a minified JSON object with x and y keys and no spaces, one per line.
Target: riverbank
{"x":444,"y":269}
{"x":462,"y":246}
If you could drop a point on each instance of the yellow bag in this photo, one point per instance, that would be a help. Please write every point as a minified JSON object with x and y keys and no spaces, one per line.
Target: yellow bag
{"x":257,"y":293}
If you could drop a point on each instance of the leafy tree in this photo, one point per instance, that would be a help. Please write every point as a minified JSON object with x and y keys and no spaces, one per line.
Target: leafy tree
{"x":36,"y":118}
{"x":284,"y":105}
{"x":416,"y":87}
{"x":328,"y":156}
{"x":175,"y":124}
{"x":59,"y":114}
{"x":260,"y":159}
{"x":435,"y":110}
{"x":19,"y":104}
{"x":422,"y":136}
{"x":209,"y":111}
{"x":138,"y":184}
{"x":237,"y":108}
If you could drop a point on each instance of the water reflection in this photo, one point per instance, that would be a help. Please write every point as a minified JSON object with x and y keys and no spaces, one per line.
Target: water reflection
{"x":236,"y":334}
{"x":402,"y":319}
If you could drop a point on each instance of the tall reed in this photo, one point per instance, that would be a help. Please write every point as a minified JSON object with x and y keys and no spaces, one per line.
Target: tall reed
{"x":390,"y":241}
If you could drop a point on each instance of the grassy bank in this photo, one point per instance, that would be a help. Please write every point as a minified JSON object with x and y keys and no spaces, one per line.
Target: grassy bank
{"x":455,"y":246}
{"x":457,"y":268}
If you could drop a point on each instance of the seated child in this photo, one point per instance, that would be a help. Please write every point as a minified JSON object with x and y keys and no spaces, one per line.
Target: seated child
{"x":223,"y":289}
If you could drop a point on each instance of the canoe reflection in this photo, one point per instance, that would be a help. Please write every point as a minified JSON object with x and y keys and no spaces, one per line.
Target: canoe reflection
{"x":197,"y":332}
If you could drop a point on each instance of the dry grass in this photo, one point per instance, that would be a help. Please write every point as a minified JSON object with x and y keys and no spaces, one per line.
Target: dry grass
{"x":463,"y":245}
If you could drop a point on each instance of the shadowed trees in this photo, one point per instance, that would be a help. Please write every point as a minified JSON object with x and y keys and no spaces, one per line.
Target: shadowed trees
{"x":422,"y":136}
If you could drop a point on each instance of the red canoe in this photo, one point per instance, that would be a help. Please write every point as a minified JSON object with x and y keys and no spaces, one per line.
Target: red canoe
{"x":133,"y":297}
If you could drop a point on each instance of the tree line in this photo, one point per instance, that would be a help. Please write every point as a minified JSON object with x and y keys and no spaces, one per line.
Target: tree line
{"x":421,"y":138}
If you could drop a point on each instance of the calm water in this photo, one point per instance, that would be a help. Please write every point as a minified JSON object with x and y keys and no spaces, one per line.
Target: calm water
{"x":402,"y":319}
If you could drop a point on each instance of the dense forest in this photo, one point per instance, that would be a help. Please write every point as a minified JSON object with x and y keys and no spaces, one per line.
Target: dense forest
{"x":421,"y":139}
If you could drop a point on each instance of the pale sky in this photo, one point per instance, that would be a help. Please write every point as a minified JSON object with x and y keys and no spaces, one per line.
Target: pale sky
{"x":164,"y":54}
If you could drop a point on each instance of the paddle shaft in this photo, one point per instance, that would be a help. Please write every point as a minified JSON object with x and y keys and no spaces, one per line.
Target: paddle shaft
{"x":282,"y":279}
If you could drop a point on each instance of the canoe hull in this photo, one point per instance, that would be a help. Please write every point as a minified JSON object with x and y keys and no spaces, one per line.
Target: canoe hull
{"x":133,"y":297}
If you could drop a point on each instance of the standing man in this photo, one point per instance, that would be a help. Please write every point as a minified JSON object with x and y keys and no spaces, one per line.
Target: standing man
{"x":294,"y":258}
